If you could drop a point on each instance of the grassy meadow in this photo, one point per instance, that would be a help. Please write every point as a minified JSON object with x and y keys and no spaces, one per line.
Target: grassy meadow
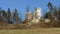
{"x":32,"y":31}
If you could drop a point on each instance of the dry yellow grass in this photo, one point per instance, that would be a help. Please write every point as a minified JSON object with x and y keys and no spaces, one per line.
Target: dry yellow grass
{"x":32,"y":31}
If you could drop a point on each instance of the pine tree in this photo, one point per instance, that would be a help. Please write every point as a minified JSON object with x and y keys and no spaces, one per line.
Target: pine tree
{"x":16,"y":18}
{"x":8,"y":15}
{"x":50,"y":6}
{"x":4,"y":16}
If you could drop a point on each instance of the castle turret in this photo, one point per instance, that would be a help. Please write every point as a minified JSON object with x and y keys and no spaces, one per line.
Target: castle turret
{"x":28,"y":16}
{"x":38,"y":13}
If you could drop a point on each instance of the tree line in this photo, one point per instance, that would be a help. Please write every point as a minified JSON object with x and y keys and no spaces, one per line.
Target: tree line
{"x":53,"y":14}
{"x":8,"y":17}
{"x":53,"y":11}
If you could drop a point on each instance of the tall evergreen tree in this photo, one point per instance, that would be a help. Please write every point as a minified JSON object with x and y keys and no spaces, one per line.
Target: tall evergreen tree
{"x":50,"y":6}
{"x":4,"y":16}
{"x":8,"y":15}
{"x":16,"y":18}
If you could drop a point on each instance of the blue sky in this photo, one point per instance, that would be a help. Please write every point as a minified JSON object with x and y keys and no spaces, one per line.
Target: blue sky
{"x":21,"y":5}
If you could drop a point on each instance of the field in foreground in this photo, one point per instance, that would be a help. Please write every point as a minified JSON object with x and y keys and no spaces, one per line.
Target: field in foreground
{"x":32,"y":31}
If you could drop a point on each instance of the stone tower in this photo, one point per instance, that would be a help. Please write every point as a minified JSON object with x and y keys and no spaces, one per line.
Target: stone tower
{"x":38,"y":13}
{"x":28,"y":16}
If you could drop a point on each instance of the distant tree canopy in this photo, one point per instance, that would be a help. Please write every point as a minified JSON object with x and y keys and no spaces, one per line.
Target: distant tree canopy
{"x":9,"y":17}
{"x":16,"y":17}
{"x":6,"y":16}
{"x":50,"y":5}
{"x":53,"y":11}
